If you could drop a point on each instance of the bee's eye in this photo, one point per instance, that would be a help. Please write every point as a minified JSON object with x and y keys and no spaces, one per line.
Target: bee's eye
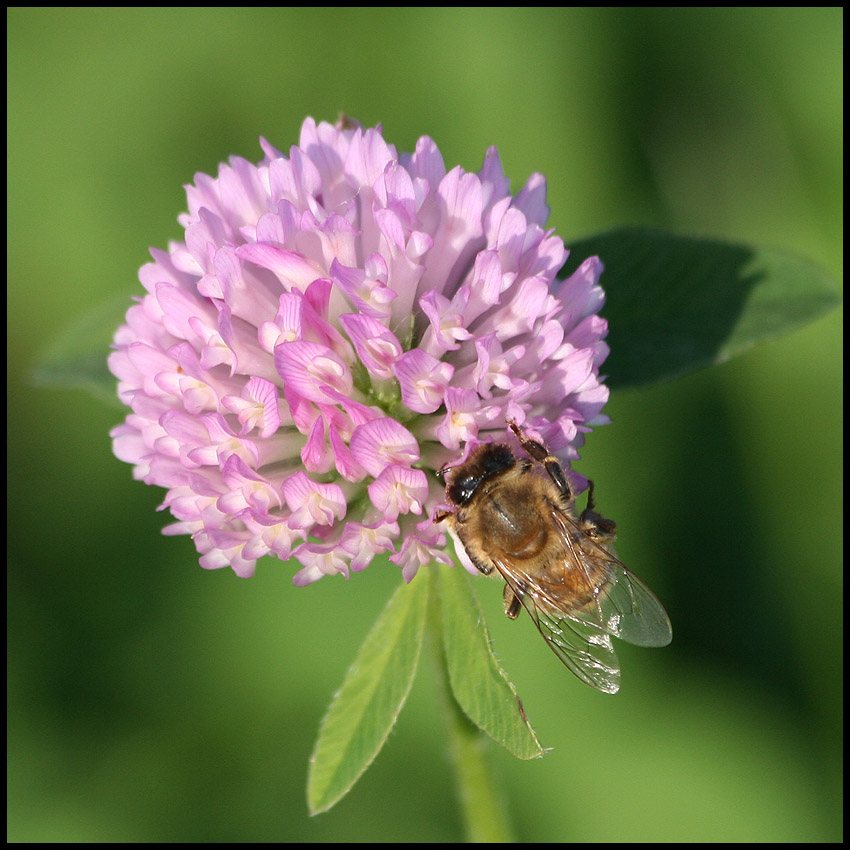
{"x":461,"y":490}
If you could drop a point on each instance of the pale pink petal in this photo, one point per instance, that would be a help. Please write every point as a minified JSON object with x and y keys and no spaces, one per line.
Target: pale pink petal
{"x":383,"y":441}
{"x":423,"y":380}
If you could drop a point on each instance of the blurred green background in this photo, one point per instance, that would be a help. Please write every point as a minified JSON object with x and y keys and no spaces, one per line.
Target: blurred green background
{"x":151,"y":701}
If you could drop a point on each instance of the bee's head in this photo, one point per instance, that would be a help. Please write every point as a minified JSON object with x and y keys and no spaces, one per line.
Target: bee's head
{"x":485,"y":462}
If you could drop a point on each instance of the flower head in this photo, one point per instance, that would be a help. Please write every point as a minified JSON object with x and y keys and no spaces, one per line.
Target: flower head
{"x":337,"y":325}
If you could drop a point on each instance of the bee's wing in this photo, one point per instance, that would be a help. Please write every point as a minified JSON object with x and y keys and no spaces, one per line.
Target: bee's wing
{"x":582,"y":646}
{"x":632,"y":611}
{"x":622,"y":605}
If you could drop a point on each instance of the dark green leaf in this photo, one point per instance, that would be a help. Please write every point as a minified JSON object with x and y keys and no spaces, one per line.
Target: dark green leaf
{"x":480,"y":686}
{"x":679,"y":303}
{"x":367,"y":705}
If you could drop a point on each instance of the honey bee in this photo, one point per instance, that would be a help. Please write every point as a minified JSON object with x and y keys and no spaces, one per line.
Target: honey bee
{"x":518,"y":516}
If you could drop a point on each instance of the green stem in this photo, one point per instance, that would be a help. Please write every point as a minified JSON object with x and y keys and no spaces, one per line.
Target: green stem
{"x":484,"y":817}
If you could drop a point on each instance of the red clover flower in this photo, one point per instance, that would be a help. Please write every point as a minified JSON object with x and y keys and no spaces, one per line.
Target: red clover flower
{"x":338,"y":325}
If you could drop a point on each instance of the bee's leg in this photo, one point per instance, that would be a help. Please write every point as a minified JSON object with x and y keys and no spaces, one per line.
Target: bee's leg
{"x":591,"y":501}
{"x":541,"y":454}
{"x":482,"y":566}
{"x":594,"y":524}
{"x":513,"y":603}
